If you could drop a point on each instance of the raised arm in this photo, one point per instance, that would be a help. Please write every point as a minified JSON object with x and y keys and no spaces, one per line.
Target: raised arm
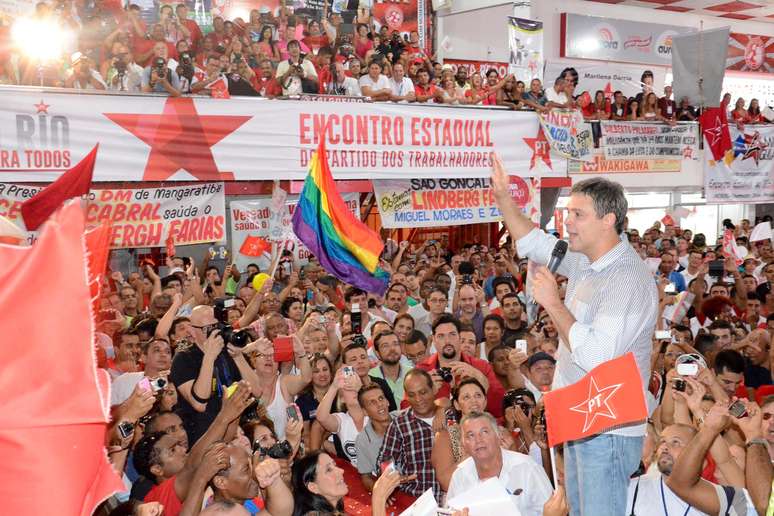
{"x":517,"y":223}
{"x":165,"y":323}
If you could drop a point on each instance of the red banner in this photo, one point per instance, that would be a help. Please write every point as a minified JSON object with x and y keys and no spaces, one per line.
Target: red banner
{"x":481,"y":67}
{"x":750,"y":53}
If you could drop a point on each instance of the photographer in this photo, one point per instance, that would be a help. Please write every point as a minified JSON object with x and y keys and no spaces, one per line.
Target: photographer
{"x":157,"y":77}
{"x":202,"y":370}
{"x":187,"y":72}
{"x":340,"y":84}
{"x":297,"y":75}
{"x":124,"y":74}
{"x":83,"y":76}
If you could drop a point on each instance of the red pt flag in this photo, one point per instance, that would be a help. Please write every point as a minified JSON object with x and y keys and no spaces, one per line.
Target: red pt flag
{"x":714,"y":123}
{"x":254,"y":246}
{"x":55,"y":401}
{"x":610,"y":395}
{"x":73,"y":183}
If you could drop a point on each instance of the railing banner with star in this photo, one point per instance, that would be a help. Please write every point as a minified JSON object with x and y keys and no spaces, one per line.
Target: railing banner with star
{"x":746,"y":172}
{"x":637,"y":140}
{"x":153,"y":138}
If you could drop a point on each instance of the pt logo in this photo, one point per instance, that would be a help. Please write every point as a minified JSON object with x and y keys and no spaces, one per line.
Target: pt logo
{"x":597,"y":404}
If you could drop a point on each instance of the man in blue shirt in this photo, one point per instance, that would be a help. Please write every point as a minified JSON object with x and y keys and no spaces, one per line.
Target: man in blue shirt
{"x":667,"y":268}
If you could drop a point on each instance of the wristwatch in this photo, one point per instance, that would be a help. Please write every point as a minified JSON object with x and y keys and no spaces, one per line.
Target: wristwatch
{"x":756,"y":440}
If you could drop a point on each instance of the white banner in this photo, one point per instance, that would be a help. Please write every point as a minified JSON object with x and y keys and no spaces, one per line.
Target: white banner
{"x":427,"y":203}
{"x":162,"y":139}
{"x":525,"y":38}
{"x":141,"y":217}
{"x":253,"y":218}
{"x":746,"y":174}
{"x":568,"y":134}
{"x":606,"y":77}
{"x":638,"y":140}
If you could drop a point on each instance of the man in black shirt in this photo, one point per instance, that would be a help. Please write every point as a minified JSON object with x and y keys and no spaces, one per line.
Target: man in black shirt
{"x":512,"y":312}
{"x":203,"y":370}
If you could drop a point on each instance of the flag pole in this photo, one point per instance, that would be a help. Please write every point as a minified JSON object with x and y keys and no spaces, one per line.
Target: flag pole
{"x":552,"y":454}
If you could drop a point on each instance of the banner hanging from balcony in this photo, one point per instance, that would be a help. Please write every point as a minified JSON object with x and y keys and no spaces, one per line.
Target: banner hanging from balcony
{"x":181,"y":139}
{"x":427,"y":203}
{"x":635,"y":140}
{"x":141,"y":217}
{"x":252,"y":219}
{"x":746,"y":172}
{"x":568,"y":134}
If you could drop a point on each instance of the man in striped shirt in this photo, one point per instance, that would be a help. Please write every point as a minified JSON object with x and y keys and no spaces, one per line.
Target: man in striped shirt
{"x":609,"y":309}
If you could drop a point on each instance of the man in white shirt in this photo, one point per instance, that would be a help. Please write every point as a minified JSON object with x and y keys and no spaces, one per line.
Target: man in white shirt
{"x":650,"y":494}
{"x":157,"y":357}
{"x":374,"y":84}
{"x":401,"y":86}
{"x":609,"y":309}
{"x":556,"y":96}
{"x":341,"y":84}
{"x":291,"y":71}
{"x":524,"y":480}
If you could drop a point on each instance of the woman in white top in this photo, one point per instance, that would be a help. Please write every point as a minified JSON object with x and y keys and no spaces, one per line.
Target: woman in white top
{"x":346,"y":425}
{"x":278,"y":390}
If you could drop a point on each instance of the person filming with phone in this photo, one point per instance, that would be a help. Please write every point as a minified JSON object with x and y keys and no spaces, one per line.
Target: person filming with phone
{"x":609,"y":309}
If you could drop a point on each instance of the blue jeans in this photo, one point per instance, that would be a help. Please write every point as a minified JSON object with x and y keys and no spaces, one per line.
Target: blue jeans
{"x":597,"y":471}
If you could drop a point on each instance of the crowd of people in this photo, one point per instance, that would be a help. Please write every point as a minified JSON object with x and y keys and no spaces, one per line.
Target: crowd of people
{"x":286,"y":54}
{"x":309,"y":396}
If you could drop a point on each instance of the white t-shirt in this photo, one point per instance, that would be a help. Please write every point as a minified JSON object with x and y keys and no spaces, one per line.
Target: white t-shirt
{"x":401,"y":88}
{"x":347,"y":433}
{"x":382,"y":83}
{"x":649,"y":499}
{"x":123,"y":386}
{"x":521,"y":476}
{"x":553,"y":96}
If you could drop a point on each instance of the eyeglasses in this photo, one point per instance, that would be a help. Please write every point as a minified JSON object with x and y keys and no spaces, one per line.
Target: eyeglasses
{"x":207,"y":328}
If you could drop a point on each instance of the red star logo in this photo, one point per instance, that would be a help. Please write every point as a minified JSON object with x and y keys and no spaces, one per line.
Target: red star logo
{"x":608,"y":91}
{"x":597,"y":404}
{"x":687,"y":152}
{"x":753,"y":146}
{"x":540,"y":149}
{"x":42,"y":107}
{"x":715,"y":131}
{"x":180,"y":138}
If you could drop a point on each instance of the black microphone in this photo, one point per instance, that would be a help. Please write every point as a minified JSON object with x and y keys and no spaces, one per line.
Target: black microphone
{"x":557,"y":255}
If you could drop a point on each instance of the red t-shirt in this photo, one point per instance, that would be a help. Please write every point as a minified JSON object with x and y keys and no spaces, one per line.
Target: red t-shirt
{"x":494,"y":395}
{"x":315,"y":43}
{"x":591,"y":109}
{"x":420,"y":90}
{"x":165,"y":494}
{"x":145,"y":45}
{"x":196,"y":32}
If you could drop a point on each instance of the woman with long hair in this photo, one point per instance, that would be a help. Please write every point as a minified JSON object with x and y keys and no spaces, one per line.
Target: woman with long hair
{"x":292,"y":308}
{"x":740,"y":114}
{"x":633,"y":110}
{"x":754,"y":112}
{"x":477,"y":91}
{"x":319,"y":488}
{"x":649,"y":109}
{"x":309,"y":399}
{"x":267,"y":46}
{"x":509,"y":95}
{"x":469,"y":396}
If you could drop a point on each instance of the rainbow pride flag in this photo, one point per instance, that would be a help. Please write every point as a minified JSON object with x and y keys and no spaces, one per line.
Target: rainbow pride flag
{"x":346,"y":248}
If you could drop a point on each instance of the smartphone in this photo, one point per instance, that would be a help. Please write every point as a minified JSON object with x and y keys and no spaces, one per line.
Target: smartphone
{"x":283,"y":349}
{"x":670,"y":289}
{"x":663,"y":335}
{"x":737,"y":409}
{"x":521,"y":345}
{"x":349,"y":370}
{"x":388,"y":467}
{"x":292,"y":412}
{"x":145,"y":384}
{"x":716,"y":268}
{"x":688,"y":369}
{"x":125,"y":429}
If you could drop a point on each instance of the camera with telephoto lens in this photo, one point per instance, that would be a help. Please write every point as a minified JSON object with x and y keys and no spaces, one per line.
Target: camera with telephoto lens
{"x":356,"y":320}
{"x":514,"y":398}
{"x":446,"y":374}
{"x":279,"y":450}
{"x":237,"y":339}
{"x":160,"y":65}
{"x":186,"y":65}
{"x":678,"y":384}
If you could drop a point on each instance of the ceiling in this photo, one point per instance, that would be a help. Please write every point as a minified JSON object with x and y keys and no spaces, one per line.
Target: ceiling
{"x":755,"y":10}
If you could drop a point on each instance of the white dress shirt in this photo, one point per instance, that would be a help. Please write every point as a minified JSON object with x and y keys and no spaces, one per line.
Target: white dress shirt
{"x":649,"y":499}
{"x":615,"y":304}
{"x":522,"y":477}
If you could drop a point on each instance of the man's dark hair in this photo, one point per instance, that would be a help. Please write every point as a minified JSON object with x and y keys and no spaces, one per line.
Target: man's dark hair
{"x":705,"y":343}
{"x":351,"y":292}
{"x":511,"y":295}
{"x":166,"y":280}
{"x":501,"y":280}
{"x":175,"y":323}
{"x":146,"y":455}
{"x":439,"y":291}
{"x":370,"y":387}
{"x":730,"y":360}
{"x":416,"y":336}
{"x":682,"y":329}
{"x":467,"y":327}
{"x":720,"y":324}
{"x":496,"y":318}
{"x":499,"y":347}
{"x":145,"y":326}
{"x":447,"y":319}
{"x":466,"y":268}
{"x":350,"y":348}
{"x":608,"y":197}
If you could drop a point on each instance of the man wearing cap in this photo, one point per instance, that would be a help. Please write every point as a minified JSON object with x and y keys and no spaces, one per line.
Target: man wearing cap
{"x":541,"y":367}
{"x":83,"y":76}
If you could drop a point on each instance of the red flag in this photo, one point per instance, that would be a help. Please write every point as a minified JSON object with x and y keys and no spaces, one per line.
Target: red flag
{"x":55,"y":401}
{"x":219,"y":89}
{"x":610,"y":395}
{"x":254,"y":246}
{"x":98,"y":247}
{"x":667,"y":220}
{"x":714,"y":123}
{"x":731,"y":249}
{"x":73,"y":183}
